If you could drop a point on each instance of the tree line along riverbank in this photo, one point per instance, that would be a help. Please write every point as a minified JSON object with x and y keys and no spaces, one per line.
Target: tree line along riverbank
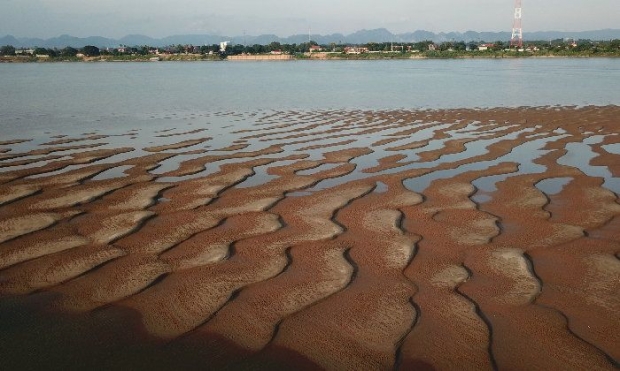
{"x":312,"y":50}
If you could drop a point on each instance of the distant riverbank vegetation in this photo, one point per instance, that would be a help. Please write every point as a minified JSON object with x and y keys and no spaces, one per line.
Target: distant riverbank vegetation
{"x":311,"y":50}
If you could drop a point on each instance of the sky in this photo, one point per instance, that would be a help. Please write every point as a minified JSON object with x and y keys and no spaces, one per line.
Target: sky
{"x":159,"y":18}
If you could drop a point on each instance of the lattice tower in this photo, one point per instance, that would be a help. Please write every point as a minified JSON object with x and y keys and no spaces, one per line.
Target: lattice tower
{"x":517,"y":32}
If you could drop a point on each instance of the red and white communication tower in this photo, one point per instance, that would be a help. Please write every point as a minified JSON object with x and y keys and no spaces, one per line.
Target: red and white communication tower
{"x":517,"y":32}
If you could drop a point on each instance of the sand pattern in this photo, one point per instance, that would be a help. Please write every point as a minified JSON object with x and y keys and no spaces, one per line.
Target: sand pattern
{"x":333,"y":239}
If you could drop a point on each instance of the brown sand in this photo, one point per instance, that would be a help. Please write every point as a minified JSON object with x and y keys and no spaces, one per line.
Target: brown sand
{"x":365,"y":274}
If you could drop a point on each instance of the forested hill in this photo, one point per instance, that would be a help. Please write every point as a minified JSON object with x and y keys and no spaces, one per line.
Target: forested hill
{"x":359,"y":37}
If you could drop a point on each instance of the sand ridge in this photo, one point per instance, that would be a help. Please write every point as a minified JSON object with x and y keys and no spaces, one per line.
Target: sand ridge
{"x":349,"y":239}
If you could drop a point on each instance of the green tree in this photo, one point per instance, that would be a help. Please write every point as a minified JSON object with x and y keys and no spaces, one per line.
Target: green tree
{"x":445,"y":46}
{"x":612,"y":45}
{"x":422,"y":45}
{"x":235,"y":49}
{"x":499,"y":46}
{"x":40,"y":51}
{"x":274,"y":46}
{"x":69,"y":52}
{"x":289,"y":48}
{"x":7,"y":50}
{"x":460,"y":46}
{"x":253,"y":49}
{"x":91,"y":51}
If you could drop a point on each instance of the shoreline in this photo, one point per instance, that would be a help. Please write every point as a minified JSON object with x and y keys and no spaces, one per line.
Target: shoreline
{"x":280,"y":58}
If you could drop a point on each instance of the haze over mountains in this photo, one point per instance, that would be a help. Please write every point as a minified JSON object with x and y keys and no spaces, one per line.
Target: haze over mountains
{"x":359,"y":37}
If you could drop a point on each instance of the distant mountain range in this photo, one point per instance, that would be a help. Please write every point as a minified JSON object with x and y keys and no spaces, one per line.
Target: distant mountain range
{"x":359,"y":37}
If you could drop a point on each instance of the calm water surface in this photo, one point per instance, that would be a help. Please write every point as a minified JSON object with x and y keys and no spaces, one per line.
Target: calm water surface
{"x":62,"y":95}
{"x":133,"y":104}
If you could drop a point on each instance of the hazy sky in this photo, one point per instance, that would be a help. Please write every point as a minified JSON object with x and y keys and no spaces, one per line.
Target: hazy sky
{"x":157,"y":18}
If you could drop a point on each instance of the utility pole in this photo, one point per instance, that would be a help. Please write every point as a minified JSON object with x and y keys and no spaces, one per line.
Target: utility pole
{"x":517,"y":32}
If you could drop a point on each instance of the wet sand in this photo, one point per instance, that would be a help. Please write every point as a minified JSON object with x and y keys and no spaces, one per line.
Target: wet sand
{"x":453,"y":239}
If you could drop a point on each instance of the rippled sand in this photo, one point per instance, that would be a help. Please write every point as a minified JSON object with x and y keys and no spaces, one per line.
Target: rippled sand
{"x":459,"y":239}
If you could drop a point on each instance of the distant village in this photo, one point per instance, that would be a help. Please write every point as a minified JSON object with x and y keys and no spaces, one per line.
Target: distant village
{"x":312,"y":50}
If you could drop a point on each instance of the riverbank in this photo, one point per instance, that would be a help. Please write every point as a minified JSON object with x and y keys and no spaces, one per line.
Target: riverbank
{"x":306,"y":56}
